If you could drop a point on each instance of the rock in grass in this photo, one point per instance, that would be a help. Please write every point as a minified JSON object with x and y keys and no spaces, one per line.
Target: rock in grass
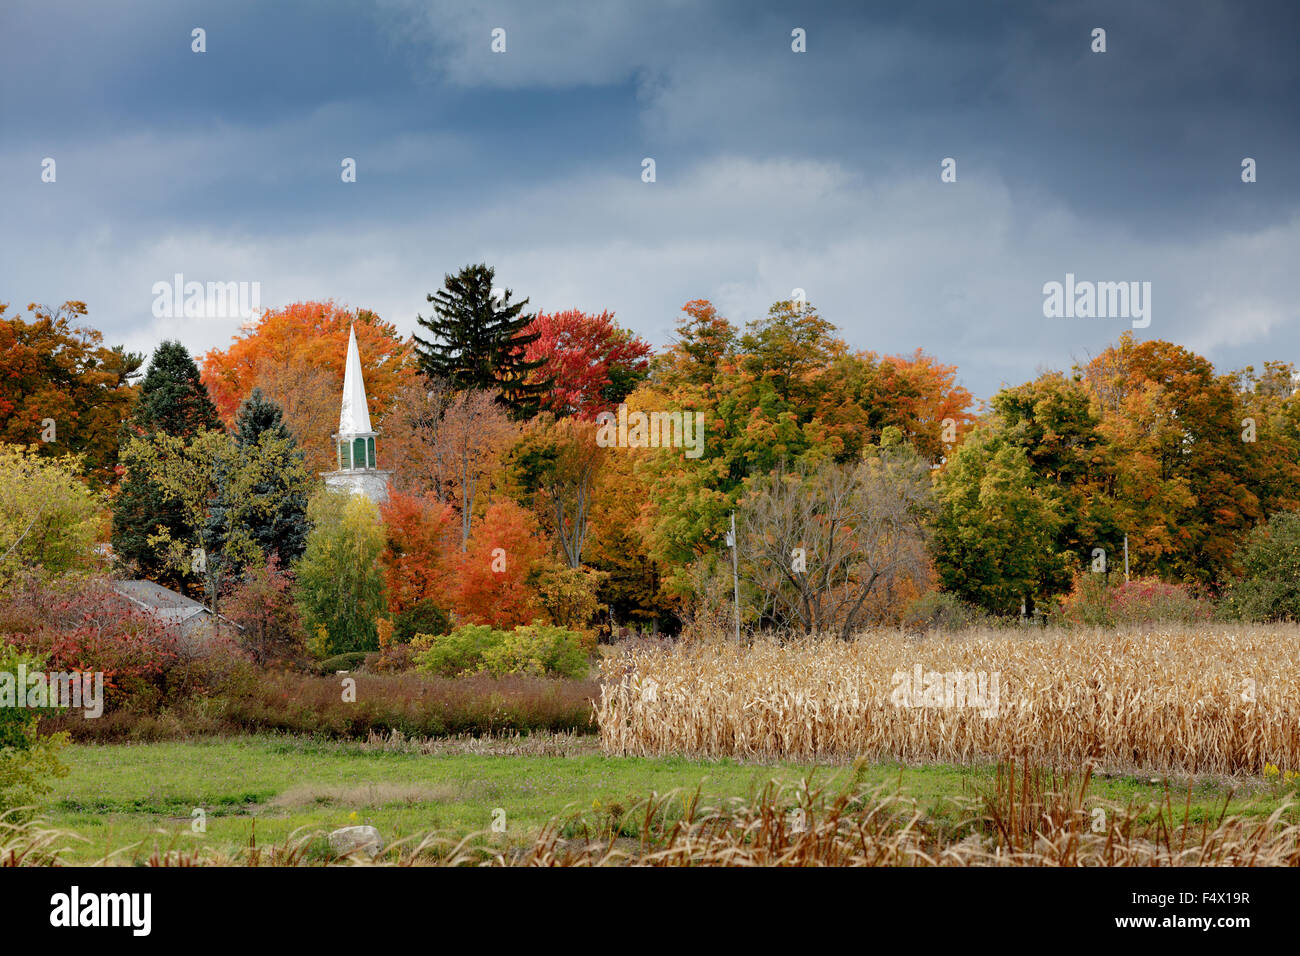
{"x":356,"y":840}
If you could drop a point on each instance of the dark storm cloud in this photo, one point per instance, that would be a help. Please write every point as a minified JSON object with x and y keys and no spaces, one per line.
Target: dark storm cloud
{"x":775,"y":170}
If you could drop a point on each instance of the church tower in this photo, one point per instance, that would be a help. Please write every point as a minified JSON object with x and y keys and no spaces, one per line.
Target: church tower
{"x":355,"y":441}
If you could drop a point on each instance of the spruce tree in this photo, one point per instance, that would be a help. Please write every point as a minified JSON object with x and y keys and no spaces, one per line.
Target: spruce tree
{"x":280,"y":526}
{"x":172,"y":400}
{"x":478,"y":343}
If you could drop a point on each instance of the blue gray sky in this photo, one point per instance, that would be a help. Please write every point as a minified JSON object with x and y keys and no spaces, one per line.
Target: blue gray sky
{"x":775,"y":170}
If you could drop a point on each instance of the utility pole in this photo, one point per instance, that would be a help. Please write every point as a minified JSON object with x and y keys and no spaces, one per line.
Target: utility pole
{"x":1126,"y":559}
{"x":735,"y":570}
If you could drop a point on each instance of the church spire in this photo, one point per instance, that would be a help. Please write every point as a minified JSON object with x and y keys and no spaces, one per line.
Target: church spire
{"x":357,"y":470}
{"x":354,"y":417}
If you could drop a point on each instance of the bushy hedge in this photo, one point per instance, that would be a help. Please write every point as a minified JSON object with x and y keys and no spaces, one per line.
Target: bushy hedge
{"x":1095,"y":602}
{"x":535,"y":649}
{"x":417,"y":705}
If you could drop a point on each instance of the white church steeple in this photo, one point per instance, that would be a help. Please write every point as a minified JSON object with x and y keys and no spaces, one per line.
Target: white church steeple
{"x":354,"y":418}
{"x":354,"y":442}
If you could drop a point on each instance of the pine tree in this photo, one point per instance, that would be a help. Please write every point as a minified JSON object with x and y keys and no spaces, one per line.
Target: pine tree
{"x":172,"y":400}
{"x":281,"y":526}
{"x":479,"y":343}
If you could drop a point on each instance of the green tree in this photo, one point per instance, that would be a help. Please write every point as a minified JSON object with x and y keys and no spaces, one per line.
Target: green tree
{"x":995,"y":531}
{"x":49,"y":519}
{"x":219,"y":492}
{"x":1055,"y":421}
{"x":479,"y":343}
{"x":173,"y":401}
{"x":1269,"y":589}
{"x":340,"y":581}
{"x":278,"y":519}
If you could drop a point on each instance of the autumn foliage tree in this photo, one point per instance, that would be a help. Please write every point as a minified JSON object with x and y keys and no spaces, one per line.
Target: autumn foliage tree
{"x":1182,"y":486}
{"x":784,"y":392}
{"x":422,"y":545}
{"x":445,"y":444}
{"x":555,"y":468}
{"x":494,"y":583}
{"x":591,"y":362}
{"x":61,"y":389}
{"x":295,"y":355}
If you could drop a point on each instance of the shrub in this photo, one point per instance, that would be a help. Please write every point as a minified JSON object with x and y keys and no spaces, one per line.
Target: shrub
{"x":944,"y":611}
{"x":460,"y":652}
{"x":538,"y":650}
{"x":415,"y":705}
{"x":423,"y":617}
{"x":412,"y":704}
{"x":86,"y":626}
{"x":1095,"y":603}
{"x":28,"y":759}
{"x":343,"y":662}
{"x":1269,"y":589}
{"x":529,"y":649}
{"x":263,"y":605}
{"x":392,"y":658}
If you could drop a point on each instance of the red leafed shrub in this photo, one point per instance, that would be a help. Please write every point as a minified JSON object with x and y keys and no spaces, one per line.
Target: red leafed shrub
{"x":87,"y":627}
{"x":1095,"y":603}
{"x":263,"y":605}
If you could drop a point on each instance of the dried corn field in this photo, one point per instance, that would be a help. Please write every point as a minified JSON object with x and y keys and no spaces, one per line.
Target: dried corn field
{"x":1207,"y":699}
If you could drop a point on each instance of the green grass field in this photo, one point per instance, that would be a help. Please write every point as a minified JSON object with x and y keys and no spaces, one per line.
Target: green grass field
{"x":141,"y":796}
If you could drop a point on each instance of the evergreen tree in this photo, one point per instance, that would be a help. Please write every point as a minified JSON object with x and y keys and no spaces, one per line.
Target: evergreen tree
{"x":479,"y":343}
{"x":173,"y":401}
{"x":280,"y":523}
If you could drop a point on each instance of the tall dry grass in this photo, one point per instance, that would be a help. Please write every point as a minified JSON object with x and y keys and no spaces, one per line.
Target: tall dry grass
{"x":1191,"y":699}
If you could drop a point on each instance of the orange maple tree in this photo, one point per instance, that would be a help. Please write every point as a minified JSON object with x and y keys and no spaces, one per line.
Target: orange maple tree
{"x":423,"y":541}
{"x":493,"y":584}
{"x":296,"y":355}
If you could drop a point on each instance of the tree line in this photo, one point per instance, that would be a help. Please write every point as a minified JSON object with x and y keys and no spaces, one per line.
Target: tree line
{"x":861,"y":482}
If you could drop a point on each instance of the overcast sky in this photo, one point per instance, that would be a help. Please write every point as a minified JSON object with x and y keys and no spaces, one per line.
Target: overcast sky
{"x":775,"y":170}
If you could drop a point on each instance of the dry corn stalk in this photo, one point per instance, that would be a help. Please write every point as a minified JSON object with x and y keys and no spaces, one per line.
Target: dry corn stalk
{"x":1190,"y":699}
